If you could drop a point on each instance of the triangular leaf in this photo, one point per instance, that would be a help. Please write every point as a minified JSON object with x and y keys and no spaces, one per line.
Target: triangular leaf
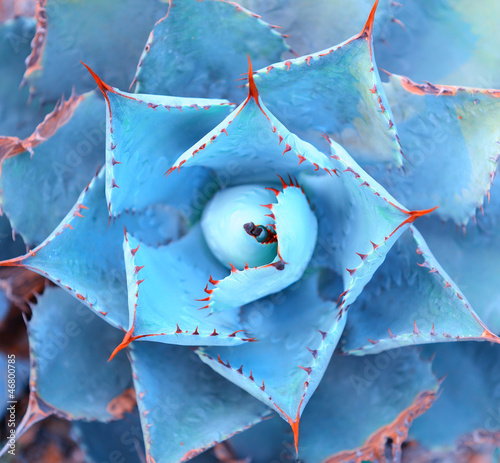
{"x":199,"y":49}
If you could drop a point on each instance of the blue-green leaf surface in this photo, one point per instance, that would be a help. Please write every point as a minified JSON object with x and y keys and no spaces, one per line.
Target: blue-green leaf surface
{"x":48,"y":170}
{"x":84,"y":253}
{"x":186,"y":408}
{"x":297,"y":332}
{"x":145,"y":135}
{"x":469,"y":399}
{"x":17,"y":117}
{"x":164,"y":286}
{"x":93,"y":31}
{"x":450,"y":136}
{"x":199,"y":50}
{"x":411,"y":300}
{"x":337,"y":91}
{"x":359,"y":405}
{"x":451,"y":42}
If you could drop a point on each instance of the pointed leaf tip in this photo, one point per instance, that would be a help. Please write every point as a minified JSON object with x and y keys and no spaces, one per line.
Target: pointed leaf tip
{"x":368,"y":27}
{"x":104,"y":87}
{"x":253,"y":92}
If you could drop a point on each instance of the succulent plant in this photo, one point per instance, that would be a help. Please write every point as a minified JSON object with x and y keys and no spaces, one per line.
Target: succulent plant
{"x":229,"y":263}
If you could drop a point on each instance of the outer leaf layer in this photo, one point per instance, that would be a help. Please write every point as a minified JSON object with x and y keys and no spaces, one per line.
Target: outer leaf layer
{"x":467,"y":36}
{"x":84,"y":253}
{"x":185,"y":407}
{"x":49,"y":169}
{"x":339,"y":92}
{"x":297,"y":333}
{"x":450,"y":137}
{"x":411,"y":300}
{"x":472,"y":380}
{"x":145,"y":134}
{"x":199,"y":49}
{"x":359,"y":404}
{"x":98,"y":32}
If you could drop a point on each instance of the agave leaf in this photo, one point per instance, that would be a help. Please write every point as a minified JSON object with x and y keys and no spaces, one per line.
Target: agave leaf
{"x":467,"y":36}
{"x":68,"y":32}
{"x":340,"y":93}
{"x":145,"y":134}
{"x":471,"y":258}
{"x":163,"y":286}
{"x":450,"y":137}
{"x":84,"y":253}
{"x":46,"y":172}
{"x":59,"y":333}
{"x":199,"y":49}
{"x":297,"y":332}
{"x":17,"y":118}
{"x":119,"y":439}
{"x":359,"y":405}
{"x":316,"y":25}
{"x":411,"y":300}
{"x":472,"y":379}
{"x":186,"y":408}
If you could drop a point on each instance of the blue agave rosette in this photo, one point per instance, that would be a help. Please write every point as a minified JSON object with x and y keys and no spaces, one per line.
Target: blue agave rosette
{"x":250,"y":234}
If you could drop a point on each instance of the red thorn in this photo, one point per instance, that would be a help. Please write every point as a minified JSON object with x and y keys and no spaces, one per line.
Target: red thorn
{"x":269,"y":206}
{"x":178,"y":331}
{"x":206,"y":299}
{"x":301,"y":159}
{"x":138,"y":268}
{"x":291,"y":181}
{"x":313,"y":352}
{"x":225,"y":131}
{"x":351,"y":271}
{"x":413,"y":216}
{"x":214,"y":333}
{"x":415,"y":329}
{"x":208,"y":291}
{"x":342,"y":295}
{"x":308,"y":370}
{"x":233,"y":268}
{"x":102,"y":85}
{"x":274,"y":190}
{"x":133,"y":251}
{"x":240,"y":370}
{"x":283,"y":184}
{"x":323,"y":334}
{"x":263,"y":387}
{"x":253,"y":92}
{"x":287,"y":148}
{"x":368,"y":28}
{"x":211,"y":280}
{"x":232,"y":335}
{"x":362,"y":256}
{"x":195,"y":332}
{"x":375,"y":246}
{"x":391,"y":335}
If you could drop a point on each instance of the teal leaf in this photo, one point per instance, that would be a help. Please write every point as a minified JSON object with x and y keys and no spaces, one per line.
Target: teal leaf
{"x":467,"y":36}
{"x":59,"y":333}
{"x":144,"y":136}
{"x":163,"y":286}
{"x":84,"y":253}
{"x":411,"y":300}
{"x":316,"y":25}
{"x":358,"y":222}
{"x":339,"y":92}
{"x":199,"y":49}
{"x":270,"y":149}
{"x":297,"y":332}
{"x":468,"y":400}
{"x":450,"y":136}
{"x":93,"y":31}
{"x":47,"y":171}
{"x":117,"y":440}
{"x":471,"y":257}
{"x":17,"y":117}
{"x":186,"y":408}
{"x":360,"y":404}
